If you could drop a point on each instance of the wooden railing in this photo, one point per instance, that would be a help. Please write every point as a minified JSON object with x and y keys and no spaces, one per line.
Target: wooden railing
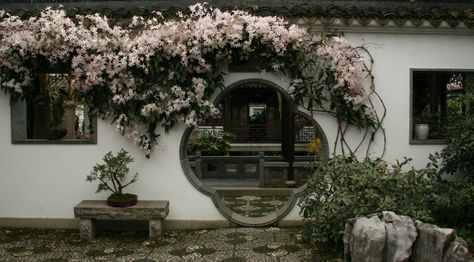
{"x":271,"y":171}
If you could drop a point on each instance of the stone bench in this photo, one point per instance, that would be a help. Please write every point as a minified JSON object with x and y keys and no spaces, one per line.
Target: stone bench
{"x":89,"y":210}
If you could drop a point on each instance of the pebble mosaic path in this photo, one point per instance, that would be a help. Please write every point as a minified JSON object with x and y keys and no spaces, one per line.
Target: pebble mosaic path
{"x":254,"y":206}
{"x":226,"y":245}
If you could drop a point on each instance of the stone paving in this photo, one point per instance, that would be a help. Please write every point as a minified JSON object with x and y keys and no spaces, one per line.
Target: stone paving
{"x":226,"y":245}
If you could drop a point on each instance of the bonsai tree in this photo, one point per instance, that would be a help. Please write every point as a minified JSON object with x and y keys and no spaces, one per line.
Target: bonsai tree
{"x":112,"y":177}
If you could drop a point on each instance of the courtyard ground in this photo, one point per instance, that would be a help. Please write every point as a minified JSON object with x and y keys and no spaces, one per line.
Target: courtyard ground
{"x":228,"y":244}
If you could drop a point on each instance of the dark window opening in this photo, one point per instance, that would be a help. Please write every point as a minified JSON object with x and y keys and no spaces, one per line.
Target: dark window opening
{"x":52,"y":113}
{"x":436,"y":102}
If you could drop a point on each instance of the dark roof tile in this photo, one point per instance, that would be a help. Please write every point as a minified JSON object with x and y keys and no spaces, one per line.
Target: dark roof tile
{"x":300,"y":11}
{"x":454,"y":13}
{"x":388,"y":14}
{"x":404,"y":12}
{"x":335,"y":12}
{"x":282,"y":11}
{"x":352,"y":11}
{"x":469,"y":14}
{"x":420,"y":13}
{"x":436,"y":13}
{"x":370,"y":13}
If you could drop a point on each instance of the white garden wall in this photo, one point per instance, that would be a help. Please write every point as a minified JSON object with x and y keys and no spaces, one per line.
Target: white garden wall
{"x":46,"y":181}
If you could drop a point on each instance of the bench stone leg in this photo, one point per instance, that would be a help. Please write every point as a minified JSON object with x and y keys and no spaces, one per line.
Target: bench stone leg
{"x":155,"y":228}
{"x":86,"y":229}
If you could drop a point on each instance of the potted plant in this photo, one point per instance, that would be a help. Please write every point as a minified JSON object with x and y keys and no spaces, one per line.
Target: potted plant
{"x":422,"y":128}
{"x":112,"y":177}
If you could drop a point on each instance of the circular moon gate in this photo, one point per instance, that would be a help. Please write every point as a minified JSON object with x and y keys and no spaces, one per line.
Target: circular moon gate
{"x":257,"y":179}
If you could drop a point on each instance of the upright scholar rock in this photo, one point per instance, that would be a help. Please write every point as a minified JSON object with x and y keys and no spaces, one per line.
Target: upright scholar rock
{"x":369,"y":244}
{"x":401,"y":233}
{"x":388,"y":237}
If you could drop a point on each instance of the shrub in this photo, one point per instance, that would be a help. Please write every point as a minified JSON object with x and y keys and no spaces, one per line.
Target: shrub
{"x":455,"y":205}
{"x":212,"y":143}
{"x":458,"y":156}
{"x":343,"y":187}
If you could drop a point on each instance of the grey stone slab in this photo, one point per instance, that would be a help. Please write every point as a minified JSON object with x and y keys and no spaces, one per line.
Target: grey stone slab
{"x":89,"y":210}
{"x":143,"y":210}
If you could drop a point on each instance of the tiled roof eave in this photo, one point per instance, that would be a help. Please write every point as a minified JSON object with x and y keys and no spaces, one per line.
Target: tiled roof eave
{"x":401,"y":17}
{"x":374,"y":26}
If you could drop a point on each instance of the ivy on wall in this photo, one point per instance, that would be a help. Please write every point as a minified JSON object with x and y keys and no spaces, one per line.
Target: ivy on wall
{"x":161,"y":72}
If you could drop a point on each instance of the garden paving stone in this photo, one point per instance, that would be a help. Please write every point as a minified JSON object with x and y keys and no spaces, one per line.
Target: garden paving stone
{"x":226,"y":245}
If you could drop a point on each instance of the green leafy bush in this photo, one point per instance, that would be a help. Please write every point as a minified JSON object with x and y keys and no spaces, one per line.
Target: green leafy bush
{"x":212,"y":143}
{"x":458,"y":156}
{"x":343,"y":187}
{"x":455,"y":205}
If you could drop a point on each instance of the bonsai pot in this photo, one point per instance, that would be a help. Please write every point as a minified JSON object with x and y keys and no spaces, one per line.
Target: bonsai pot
{"x":122,"y":200}
{"x":56,"y":133}
{"x":422,"y":131}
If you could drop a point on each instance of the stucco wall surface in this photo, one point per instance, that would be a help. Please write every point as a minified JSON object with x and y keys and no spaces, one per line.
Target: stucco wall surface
{"x":46,"y":181}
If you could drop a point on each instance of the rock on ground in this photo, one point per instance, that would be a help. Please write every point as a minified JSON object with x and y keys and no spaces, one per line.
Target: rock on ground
{"x":389,"y":237}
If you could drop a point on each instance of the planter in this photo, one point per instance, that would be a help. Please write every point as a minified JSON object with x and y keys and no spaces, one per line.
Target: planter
{"x":122,"y":200}
{"x":422,"y":131}
{"x":56,"y":134}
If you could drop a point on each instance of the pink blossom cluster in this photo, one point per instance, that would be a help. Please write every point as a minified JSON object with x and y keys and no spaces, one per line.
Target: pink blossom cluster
{"x":207,"y":30}
{"x":47,"y":36}
{"x":348,"y":68}
{"x":135,"y":132}
{"x":90,"y":45}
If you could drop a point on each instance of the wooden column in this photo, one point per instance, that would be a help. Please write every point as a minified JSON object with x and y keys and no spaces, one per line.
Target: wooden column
{"x":288,"y":136}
